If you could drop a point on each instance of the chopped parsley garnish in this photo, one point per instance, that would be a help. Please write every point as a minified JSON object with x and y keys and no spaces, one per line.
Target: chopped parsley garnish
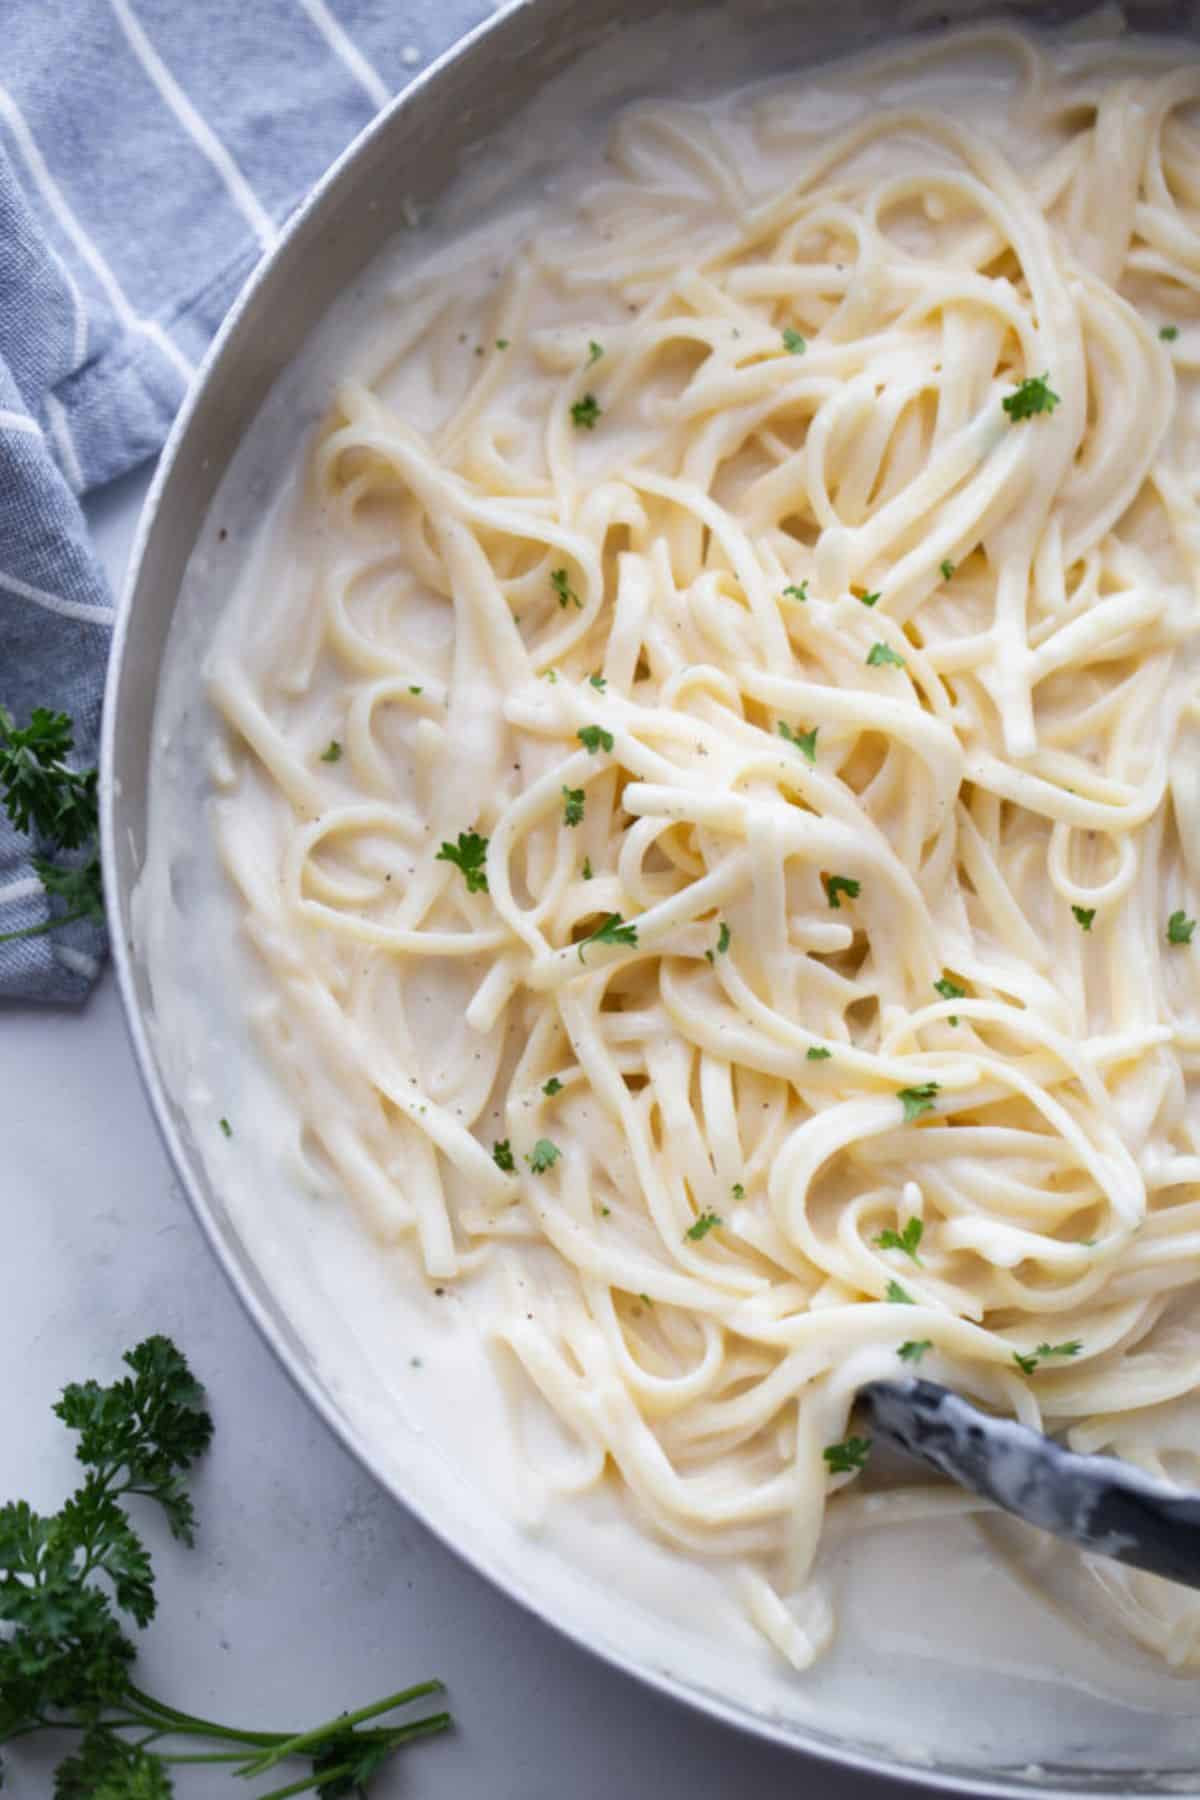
{"x":552,"y":1087}
{"x":701,"y":1226}
{"x":562,"y":587}
{"x":914,"y":1349}
{"x":848,"y":1457}
{"x":817,"y":1053}
{"x":587,"y":868}
{"x":573,"y":804}
{"x":595,"y":352}
{"x":416,"y":690}
{"x":1033,"y":395}
{"x":950,"y":990}
{"x":907,"y":1240}
{"x":594,"y":737}
{"x":917,"y":1100}
{"x":598,"y":682}
{"x":1083,"y":916}
{"x":543,"y":1156}
{"x":738,"y":1191}
{"x":724,"y":938}
{"x":841,"y":884}
{"x":612,"y":931}
{"x":502,"y":343}
{"x":805,"y":741}
{"x":502,"y":1156}
{"x":796,"y":593}
{"x":793,"y":343}
{"x":333,"y":753}
{"x":469,"y":855}
{"x":897,"y":1295}
{"x":1180,"y":928}
{"x":869,"y":599}
{"x":1028,"y":1363}
{"x":1168,"y":333}
{"x":226,"y":1128}
{"x":585,"y":412}
{"x":879,"y":655}
{"x":947,"y":568}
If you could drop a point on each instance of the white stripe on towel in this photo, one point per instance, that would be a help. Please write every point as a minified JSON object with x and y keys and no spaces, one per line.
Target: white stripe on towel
{"x":89,"y":251}
{"x":67,"y":454}
{"x":372,"y":84}
{"x":23,"y":888}
{"x":69,"y":609}
{"x":197,"y":128}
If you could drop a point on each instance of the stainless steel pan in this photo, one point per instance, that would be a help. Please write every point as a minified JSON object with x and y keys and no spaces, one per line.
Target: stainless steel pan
{"x":413,"y":150}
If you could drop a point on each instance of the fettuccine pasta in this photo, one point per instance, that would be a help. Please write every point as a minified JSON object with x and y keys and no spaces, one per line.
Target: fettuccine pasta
{"x":715,"y":790}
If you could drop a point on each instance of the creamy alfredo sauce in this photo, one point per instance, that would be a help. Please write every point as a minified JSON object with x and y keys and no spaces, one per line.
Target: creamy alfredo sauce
{"x":765,"y":551}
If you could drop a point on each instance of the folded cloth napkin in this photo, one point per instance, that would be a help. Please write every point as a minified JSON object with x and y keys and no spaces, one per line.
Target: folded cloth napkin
{"x":149,"y":151}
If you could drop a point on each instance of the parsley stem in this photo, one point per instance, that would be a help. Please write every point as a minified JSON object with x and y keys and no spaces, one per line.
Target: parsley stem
{"x":30,"y":931}
{"x":167,"y":1719}
{"x":293,"y":1746}
{"x":427,"y":1727}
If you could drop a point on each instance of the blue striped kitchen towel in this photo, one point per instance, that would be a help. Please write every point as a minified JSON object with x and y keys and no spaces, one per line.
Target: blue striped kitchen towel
{"x":149,"y":151}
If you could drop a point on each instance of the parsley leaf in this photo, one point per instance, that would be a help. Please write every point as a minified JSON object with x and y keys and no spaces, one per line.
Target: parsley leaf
{"x":724,"y":938}
{"x":793,"y":343}
{"x":702,"y":1225}
{"x":1033,"y":395}
{"x":469,"y":856}
{"x":44,"y":798}
{"x":1168,"y":333}
{"x":612,"y":930}
{"x":897,"y":1295}
{"x":841,"y":884}
{"x":595,"y":352}
{"x":914,"y":1349}
{"x":502,"y":1156}
{"x":1180,"y":928}
{"x":333,"y":753}
{"x":950,"y":990}
{"x":738,"y":1191}
{"x":586,"y":871}
{"x":562,"y":587}
{"x":1029,"y":1362}
{"x":947,"y":568}
{"x":598,"y":682}
{"x":906,"y":1240}
{"x":543,"y":1156}
{"x":879,"y":655}
{"x":796,"y":593}
{"x":805,"y":741}
{"x":502,"y":343}
{"x":573,"y":804}
{"x":226,"y":1128}
{"x":552,"y":1087}
{"x":585,"y":412}
{"x":594,"y":737}
{"x":817,"y":1053}
{"x":66,"y":1662}
{"x":848,"y":1457}
{"x":917,"y":1100}
{"x":869,"y":599}
{"x":1084,"y":916}
{"x":41,"y":795}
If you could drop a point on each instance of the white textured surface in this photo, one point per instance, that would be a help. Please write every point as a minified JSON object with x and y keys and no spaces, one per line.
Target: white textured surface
{"x":309,"y":1589}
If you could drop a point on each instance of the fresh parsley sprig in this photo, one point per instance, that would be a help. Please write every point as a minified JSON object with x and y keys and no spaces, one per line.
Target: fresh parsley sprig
{"x":469,"y":856}
{"x":42,"y":796}
{"x":66,"y":1661}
